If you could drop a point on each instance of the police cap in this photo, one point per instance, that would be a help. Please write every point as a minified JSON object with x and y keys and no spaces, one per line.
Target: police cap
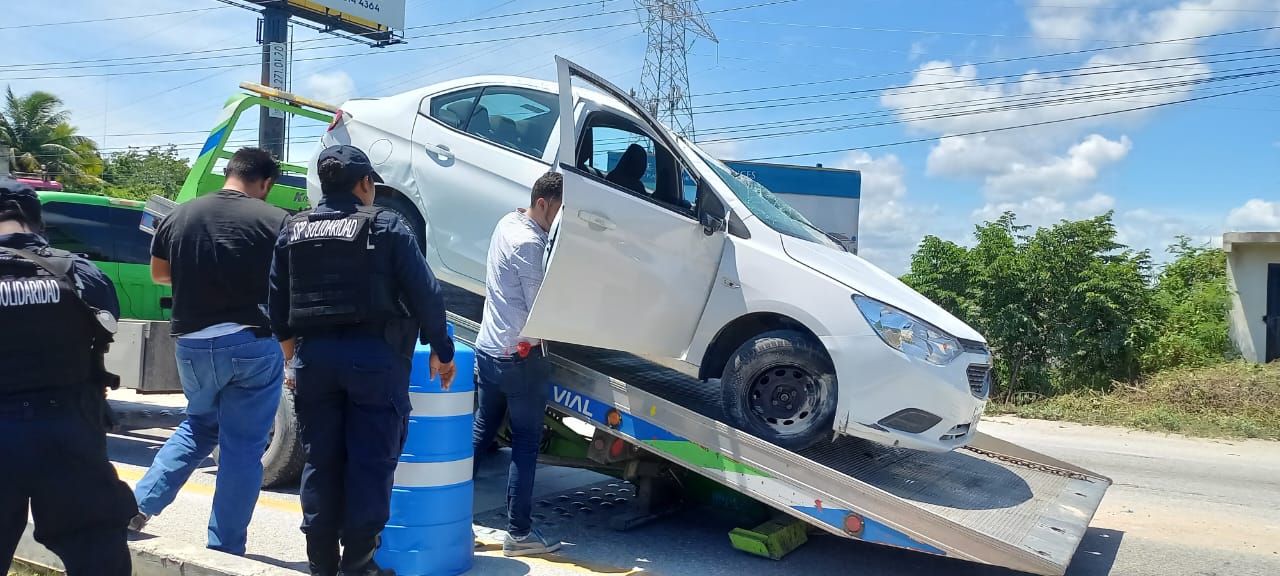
{"x":355,"y":165}
{"x":20,"y":197}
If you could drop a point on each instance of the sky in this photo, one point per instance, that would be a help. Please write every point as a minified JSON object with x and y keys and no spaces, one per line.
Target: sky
{"x":955,"y":111}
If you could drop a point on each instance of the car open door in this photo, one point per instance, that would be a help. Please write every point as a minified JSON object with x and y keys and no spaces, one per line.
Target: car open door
{"x":621,"y":271}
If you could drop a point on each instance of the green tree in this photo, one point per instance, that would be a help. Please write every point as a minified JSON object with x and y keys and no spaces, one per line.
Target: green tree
{"x":1063,"y":307}
{"x":1192,"y":299}
{"x":138,"y":173}
{"x":38,"y":131}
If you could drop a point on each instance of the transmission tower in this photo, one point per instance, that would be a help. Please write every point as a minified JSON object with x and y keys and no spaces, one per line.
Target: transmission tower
{"x":664,"y":83}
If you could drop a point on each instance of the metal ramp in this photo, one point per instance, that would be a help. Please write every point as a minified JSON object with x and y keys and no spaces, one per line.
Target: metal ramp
{"x":993,"y":503}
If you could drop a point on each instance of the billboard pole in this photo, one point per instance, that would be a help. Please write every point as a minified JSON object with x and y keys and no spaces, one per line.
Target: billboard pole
{"x":275,"y":73}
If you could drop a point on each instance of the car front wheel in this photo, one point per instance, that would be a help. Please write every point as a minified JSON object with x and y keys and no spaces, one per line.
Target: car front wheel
{"x":780,"y":386}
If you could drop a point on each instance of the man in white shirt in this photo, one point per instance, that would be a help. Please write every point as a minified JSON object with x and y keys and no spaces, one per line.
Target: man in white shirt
{"x":512,"y":372}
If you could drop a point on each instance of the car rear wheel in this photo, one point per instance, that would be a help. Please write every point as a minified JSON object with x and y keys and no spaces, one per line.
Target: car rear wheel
{"x":780,"y":386}
{"x":389,"y":198}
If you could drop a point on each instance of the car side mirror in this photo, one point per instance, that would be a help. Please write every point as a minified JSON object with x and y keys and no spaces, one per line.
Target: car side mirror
{"x":711,"y":224}
{"x":711,"y":211}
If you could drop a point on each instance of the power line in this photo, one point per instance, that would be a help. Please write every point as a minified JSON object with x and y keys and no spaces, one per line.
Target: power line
{"x":963,"y":104}
{"x":1118,"y":68}
{"x":112,"y":19}
{"x":1018,"y":126}
{"x":224,"y":66}
{"x":258,"y":48}
{"x":74,"y":65}
{"x":989,"y":62}
{"x":910,"y":31}
{"x":331,"y":57}
{"x":1066,"y":100}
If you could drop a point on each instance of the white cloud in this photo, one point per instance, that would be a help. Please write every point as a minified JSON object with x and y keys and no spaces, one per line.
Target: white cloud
{"x":1256,"y":215}
{"x":1060,"y":175}
{"x":889,"y":227}
{"x":918,"y":49}
{"x":331,"y":87}
{"x":1046,"y":210}
{"x":723,"y":149}
{"x":1048,"y":172}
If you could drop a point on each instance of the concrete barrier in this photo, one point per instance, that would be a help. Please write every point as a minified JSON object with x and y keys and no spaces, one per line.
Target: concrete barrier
{"x":158,"y":556}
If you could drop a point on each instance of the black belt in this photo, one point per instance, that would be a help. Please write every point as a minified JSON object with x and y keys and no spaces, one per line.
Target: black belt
{"x":377,"y":329}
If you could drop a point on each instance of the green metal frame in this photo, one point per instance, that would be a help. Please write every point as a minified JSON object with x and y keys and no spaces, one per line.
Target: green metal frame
{"x":202,"y":179}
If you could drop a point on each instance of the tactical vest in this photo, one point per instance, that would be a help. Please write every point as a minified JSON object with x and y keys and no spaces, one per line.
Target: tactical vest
{"x":333,"y":281}
{"x":48,"y":336}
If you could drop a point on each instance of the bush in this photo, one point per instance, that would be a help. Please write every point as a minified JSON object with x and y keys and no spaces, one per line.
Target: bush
{"x":1067,"y":308}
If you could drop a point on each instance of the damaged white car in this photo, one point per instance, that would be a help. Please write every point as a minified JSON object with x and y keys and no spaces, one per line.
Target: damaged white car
{"x":662,"y":251}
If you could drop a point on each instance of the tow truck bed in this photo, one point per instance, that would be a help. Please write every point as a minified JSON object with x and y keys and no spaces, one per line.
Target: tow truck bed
{"x":993,"y":503}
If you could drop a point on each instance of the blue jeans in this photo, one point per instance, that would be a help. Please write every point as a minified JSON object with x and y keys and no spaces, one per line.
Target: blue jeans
{"x":519,"y":390}
{"x":233,"y":386}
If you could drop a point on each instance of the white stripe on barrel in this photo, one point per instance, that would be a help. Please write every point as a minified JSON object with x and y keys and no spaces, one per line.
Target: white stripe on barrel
{"x":433,"y":474}
{"x":442,"y":404}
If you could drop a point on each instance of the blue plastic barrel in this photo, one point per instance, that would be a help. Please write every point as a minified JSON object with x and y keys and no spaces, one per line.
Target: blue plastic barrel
{"x":429,"y":532}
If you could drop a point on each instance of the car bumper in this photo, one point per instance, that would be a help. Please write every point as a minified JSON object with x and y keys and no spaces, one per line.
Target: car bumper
{"x":890,"y":398}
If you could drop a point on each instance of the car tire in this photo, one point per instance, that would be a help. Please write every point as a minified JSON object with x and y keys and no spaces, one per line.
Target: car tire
{"x":780,"y":386}
{"x":283,"y":459}
{"x":402,"y":206}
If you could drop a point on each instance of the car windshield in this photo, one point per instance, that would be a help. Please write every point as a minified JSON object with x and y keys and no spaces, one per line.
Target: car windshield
{"x":765,"y":205}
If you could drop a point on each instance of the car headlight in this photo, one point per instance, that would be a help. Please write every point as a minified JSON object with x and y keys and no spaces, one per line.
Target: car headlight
{"x":908,"y":334}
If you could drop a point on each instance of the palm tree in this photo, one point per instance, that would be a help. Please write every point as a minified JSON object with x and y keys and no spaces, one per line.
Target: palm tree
{"x":35,"y":127}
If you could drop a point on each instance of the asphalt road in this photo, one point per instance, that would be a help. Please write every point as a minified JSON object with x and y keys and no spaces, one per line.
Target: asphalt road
{"x":1177,"y":506}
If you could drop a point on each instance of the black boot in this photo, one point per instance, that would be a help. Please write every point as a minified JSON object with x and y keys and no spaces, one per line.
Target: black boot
{"x":322,"y":556}
{"x":357,"y":557}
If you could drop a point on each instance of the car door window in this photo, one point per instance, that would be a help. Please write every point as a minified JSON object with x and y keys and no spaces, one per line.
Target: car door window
{"x":623,"y":155}
{"x":132,"y":245}
{"x":515,"y":118}
{"x":80,"y":228}
{"x":453,"y":109}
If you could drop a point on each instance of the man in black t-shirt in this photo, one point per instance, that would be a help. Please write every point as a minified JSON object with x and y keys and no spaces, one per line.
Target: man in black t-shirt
{"x":216,"y":252}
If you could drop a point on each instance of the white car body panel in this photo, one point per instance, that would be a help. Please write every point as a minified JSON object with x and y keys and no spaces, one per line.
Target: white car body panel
{"x":628,"y":274}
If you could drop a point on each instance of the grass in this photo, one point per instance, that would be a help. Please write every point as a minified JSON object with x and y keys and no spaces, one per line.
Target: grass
{"x":1232,"y":400}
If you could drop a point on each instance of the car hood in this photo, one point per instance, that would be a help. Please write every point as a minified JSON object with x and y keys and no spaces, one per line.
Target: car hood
{"x":870,"y":281}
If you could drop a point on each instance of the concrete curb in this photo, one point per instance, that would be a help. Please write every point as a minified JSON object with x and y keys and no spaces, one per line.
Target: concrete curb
{"x":158,"y":556}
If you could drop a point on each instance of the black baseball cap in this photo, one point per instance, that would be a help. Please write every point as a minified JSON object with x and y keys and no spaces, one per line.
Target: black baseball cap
{"x":355,"y":165}
{"x":15,"y":194}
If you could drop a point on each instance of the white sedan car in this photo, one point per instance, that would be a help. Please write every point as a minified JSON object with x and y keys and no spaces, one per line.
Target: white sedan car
{"x":662,"y":251}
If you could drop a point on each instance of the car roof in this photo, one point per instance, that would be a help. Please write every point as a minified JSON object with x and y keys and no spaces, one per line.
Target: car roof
{"x":89,"y":199}
{"x":593,"y":96}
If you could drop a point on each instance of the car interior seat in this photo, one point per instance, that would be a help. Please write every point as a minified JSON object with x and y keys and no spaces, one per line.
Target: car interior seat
{"x":506,"y":132}
{"x":630,"y":169}
{"x":479,"y":124}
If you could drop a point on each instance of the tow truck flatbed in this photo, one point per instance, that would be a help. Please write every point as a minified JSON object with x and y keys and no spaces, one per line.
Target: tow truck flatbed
{"x":992,"y":503}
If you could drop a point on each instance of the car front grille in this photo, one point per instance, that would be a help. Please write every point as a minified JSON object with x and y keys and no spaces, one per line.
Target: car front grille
{"x":956,"y":432}
{"x":979,"y":380}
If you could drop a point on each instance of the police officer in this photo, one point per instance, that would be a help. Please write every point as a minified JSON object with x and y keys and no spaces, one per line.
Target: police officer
{"x":57,"y":313}
{"x":350,"y":285}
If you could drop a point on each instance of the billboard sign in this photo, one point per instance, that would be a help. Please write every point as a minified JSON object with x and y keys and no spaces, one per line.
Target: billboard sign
{"x":388,"y":13}
{"x":371,"y":19}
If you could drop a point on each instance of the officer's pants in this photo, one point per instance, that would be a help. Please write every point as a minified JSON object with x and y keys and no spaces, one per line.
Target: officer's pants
{"x":352,"y":400}
{"x":55,"y":457}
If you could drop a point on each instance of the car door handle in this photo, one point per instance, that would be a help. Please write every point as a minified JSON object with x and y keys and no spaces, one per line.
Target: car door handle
{"x":439,"y":150}
{"x":596,"y":220}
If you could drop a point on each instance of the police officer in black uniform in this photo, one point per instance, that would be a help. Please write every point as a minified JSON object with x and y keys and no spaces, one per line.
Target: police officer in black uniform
{"x":350,"y":284}
{"x":57,"y":315}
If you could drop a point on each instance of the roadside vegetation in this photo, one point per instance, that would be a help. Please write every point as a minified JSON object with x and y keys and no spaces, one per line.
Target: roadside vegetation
{"x":1086,"y":329}
{"x":43,"y":142}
